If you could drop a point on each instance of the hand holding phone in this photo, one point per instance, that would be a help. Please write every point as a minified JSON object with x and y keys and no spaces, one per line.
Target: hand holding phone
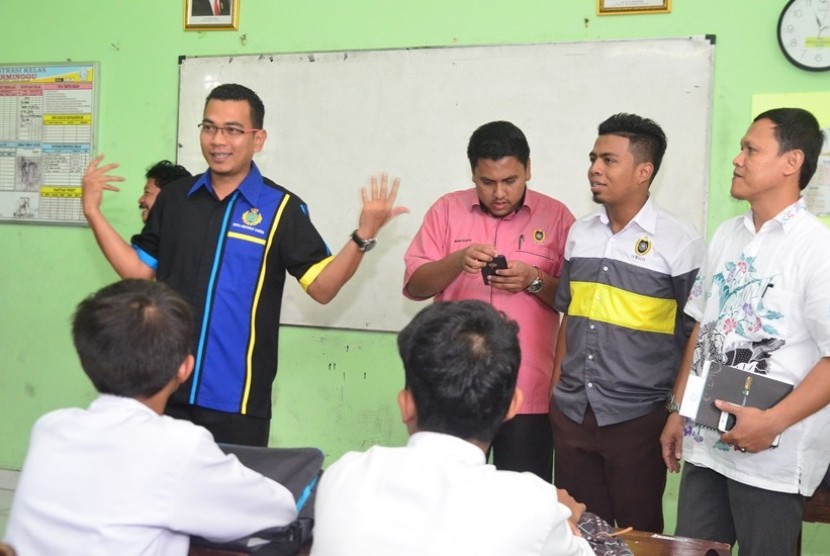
{"x":727,"y":422}
{"x":490,"y":268}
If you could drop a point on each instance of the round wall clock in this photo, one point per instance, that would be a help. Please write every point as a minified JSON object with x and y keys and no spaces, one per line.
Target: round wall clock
{"x":804,"y":34}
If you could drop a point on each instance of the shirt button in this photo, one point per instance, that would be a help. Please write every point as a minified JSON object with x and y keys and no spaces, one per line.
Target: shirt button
{"x":605,"y":269}
{"x":590,"y":385}
{"x":590,"y":357}
{"x":591,"y":326}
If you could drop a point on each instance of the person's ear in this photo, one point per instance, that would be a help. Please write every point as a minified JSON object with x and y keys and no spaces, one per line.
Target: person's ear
{"x":793,"y":160}
{"x":527,"y":170}
{"x":409,"y":412}
{"x":185,"y":369}
{"x":645,"y":170}
{"x":259,"y":140}
{"x":515,"y":404}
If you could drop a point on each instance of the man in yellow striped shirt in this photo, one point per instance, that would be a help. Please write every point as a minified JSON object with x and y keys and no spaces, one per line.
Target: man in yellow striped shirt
{"x":628,"y":271}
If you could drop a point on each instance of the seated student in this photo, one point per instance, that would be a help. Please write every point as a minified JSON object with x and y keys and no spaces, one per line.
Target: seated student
{"x":437,"y":495}
{"x":118,"y":477}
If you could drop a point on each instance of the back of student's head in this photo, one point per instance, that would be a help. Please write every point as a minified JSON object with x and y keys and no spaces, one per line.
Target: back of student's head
{"x":233,"y":91}
{"x":461,"y":361}
{"x":495,"y":140}
{"x":164,"y":172}
{"x":132,"y":336}
{"x":646,"y":139}
{"x":796,"y":128}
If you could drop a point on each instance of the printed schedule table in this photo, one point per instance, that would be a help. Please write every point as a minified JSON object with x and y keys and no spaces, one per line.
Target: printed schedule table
{"x":47,"y":132}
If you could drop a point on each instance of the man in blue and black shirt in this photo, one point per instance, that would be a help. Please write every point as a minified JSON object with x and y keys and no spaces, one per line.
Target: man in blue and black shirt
{"x":224,"y":240}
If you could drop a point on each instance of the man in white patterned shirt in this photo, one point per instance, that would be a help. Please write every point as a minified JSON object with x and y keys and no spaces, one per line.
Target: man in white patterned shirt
{"x":762,"y":302}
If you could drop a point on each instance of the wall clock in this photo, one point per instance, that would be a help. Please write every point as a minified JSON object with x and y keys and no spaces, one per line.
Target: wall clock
{"x":804,"y":34}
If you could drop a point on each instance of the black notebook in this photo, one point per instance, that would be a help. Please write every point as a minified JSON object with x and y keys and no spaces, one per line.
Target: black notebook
{"x":722,"y":382}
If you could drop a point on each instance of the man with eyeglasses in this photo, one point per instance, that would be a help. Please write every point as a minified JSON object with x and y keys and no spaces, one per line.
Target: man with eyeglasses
{"x":224,"y":240}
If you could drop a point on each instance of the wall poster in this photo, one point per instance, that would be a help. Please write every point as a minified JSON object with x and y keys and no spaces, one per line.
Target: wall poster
{"x":48,"y":115}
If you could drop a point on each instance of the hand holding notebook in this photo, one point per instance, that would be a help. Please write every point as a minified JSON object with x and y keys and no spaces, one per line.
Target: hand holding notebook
{"x":737,"y":386}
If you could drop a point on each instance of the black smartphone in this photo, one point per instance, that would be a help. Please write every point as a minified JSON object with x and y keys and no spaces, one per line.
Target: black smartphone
{"x":490,"y":268}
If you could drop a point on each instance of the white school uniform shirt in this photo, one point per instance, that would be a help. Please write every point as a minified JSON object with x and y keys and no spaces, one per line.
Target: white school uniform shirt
{"x":763,"y":303}
{"x":118,"y":478}
{"x":437,"y":496}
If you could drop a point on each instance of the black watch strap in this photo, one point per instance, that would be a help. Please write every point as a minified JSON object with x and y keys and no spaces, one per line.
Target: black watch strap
{"x":363,"y":244}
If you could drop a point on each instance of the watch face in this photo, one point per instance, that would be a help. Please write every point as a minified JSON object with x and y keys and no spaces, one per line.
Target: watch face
{"x":535,"y":286}
{"x":804,"y":33}
{"x":369,"y":244}
{"x":364,"y":244}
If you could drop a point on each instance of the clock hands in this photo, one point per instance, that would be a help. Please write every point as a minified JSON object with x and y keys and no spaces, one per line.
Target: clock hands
{"x":820,"y":22}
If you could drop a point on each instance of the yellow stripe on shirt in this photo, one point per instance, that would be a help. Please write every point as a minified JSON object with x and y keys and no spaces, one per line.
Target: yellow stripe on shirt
{"x":314,"y":271}
{"x":245,"y":237}
{"x":619,"y":307}
{"x":249,"y":367}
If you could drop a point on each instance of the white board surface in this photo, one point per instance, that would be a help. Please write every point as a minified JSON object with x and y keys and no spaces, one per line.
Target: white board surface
{"x":335,"y":118}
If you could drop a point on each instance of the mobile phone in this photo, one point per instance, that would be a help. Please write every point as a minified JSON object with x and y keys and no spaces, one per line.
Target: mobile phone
{"x":498,"y":262}
{"x":726,"y":421}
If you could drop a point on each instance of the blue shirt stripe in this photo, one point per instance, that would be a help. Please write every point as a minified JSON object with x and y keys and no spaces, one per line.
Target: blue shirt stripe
{"x":209,"y":298}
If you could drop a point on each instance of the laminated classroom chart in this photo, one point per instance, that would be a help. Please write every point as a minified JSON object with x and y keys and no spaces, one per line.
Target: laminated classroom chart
{"x":47,"y":132}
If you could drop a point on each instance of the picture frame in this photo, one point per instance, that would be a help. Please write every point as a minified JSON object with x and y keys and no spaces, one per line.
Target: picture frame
{"x":622,"y":7}
{"x":211,"y":15}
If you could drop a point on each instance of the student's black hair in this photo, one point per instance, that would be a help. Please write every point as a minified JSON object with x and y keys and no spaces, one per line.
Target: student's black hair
{"x":233,"y":91}
{"x":495,"y":140}
{"x":796,"y":128}
{"x":461,"y":360}
{"x":646,"y":140}
{"x":164,"y":172}
{"x":132,"y":336}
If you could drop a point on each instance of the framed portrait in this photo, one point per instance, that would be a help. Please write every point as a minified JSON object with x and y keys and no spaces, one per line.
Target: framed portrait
{"x":211,"y":15}
{"x":614,"y":7}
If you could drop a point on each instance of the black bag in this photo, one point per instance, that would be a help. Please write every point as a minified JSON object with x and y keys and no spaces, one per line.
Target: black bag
{"x":298,"y":470}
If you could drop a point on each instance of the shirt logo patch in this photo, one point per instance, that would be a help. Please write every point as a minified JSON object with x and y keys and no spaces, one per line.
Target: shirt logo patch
{"x":252,"y":217}
{"x":642,"y":247}
{"x":539,"y":236}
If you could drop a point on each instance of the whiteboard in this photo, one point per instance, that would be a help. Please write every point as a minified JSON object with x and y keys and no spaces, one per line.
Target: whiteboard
{"x":335,"y":118}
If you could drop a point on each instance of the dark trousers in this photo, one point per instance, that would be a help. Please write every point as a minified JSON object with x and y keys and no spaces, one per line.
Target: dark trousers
{"x":712,"y":507}
{"x":227,"y":428}
{"x":617,"y":471}
{"x":524,"y":443}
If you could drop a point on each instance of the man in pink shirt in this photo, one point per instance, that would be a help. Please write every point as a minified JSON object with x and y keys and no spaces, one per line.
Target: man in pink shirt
{"x":465,"y":230}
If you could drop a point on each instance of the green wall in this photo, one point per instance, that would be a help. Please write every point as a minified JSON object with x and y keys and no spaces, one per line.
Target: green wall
{"x":336,"y":389}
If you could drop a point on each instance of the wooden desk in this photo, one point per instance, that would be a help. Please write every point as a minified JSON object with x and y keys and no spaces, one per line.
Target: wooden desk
{"x":652,"y":544}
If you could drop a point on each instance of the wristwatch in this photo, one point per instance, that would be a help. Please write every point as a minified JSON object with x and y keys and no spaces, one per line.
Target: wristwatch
{"x":536,"y":285}
{"x":364,"y":244}
{"x":671,"y":405}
